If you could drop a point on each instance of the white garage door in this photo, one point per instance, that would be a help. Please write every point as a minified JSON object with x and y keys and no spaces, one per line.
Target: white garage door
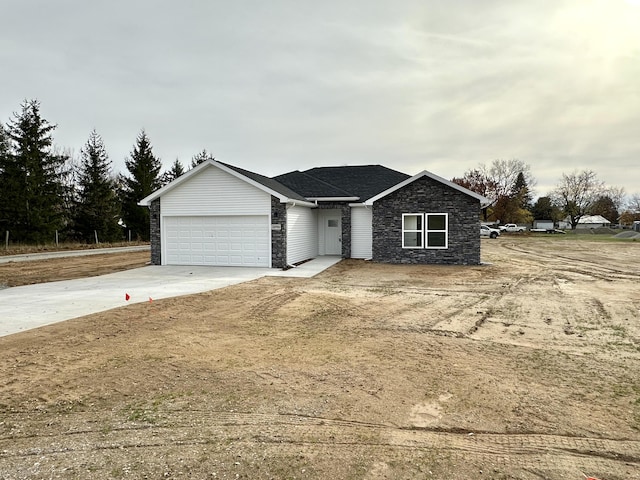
{"x":241,"y":241}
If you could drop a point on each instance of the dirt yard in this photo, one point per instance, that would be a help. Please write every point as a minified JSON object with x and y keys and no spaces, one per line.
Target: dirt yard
{"x":15,"y":274}
{"x":527,"y":368}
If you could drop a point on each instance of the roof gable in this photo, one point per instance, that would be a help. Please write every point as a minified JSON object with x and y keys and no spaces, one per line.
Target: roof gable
{"x":587,"y":219}
{"x":261,"y":182}
{"x":267,"y":182}
{"x":483,"y":200}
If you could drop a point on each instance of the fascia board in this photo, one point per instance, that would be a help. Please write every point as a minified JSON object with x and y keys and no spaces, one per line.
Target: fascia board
{"x":483,"y":200}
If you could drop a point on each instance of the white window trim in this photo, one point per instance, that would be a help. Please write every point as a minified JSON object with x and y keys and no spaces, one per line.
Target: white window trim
{"x":425,"y":231}
{"x":421,"y":231}
{"x":445,"y":231}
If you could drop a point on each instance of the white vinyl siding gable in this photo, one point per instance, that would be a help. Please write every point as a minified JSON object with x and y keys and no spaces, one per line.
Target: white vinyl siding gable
{"x":215,"y":192}
{"x":302,"y":234}
{"x":361,"y":232}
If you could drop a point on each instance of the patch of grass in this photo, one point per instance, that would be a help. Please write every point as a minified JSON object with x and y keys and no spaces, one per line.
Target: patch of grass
{"x":142,"y":414}
{"x":147,"y":412}
{"x":588,"y":237}
{"x":619,"y":330}
{"x":383,"y":290}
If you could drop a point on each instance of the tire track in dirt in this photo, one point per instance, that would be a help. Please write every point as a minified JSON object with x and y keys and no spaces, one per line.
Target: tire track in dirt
{"x":290,"y":431}
{"x":268,"y":306}
{"x":596,"y":270}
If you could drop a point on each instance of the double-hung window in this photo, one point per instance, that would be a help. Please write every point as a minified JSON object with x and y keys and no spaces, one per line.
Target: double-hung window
{"x":425,"y":230}
{"x":412,"y":230}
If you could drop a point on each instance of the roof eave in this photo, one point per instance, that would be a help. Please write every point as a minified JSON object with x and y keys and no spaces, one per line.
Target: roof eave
{"x":293,"y":202}
{"x":333,"y":199}
{"x":483,"y":200}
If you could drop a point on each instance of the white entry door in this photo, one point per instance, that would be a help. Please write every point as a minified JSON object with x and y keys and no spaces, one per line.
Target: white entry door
{"x":332,"y":235}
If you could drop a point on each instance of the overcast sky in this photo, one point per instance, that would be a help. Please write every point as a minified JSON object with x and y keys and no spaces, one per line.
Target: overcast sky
{"x":278,"y":85}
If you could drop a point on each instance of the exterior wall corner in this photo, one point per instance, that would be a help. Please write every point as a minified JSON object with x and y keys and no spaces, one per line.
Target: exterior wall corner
{"x":278,"y":233}
{"x":155,"y":234}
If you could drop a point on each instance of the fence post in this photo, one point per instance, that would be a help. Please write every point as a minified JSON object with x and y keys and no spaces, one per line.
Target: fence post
{"x":95,"y":232}
{"x":56,"y":238}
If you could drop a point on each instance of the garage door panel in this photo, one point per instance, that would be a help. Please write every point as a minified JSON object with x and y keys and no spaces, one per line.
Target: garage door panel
{"x":217,"y":240}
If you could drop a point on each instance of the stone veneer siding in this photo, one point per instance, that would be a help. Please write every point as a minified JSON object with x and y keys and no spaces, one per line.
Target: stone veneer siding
{"x":278,"y":237}
{"x":346,"y":224}
{"x":426,"y":195}
{"x":154,"y":221}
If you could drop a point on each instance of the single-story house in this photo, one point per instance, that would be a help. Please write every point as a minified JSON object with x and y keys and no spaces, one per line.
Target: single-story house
{"x":586,"y":222}
{"x":219,"y":214}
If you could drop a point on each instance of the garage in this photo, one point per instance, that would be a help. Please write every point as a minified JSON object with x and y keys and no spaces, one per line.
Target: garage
{"x":218,"y":240}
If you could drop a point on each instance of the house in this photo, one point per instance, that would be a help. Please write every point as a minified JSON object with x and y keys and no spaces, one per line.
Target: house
{"x":586,"y":222}
{"x":592,"y":221}
{"x":219,"y":214}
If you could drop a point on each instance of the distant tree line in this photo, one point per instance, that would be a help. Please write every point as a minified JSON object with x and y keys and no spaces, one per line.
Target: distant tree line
{"x":45,"y":192}
{"x":508,"y":183}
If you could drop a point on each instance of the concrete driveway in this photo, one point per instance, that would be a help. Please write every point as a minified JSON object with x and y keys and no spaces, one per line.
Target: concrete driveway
{"x":32,"y":306}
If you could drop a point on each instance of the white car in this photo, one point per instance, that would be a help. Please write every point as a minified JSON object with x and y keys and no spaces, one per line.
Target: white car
{"x":486,"y":231}
{"x":511,"y":227}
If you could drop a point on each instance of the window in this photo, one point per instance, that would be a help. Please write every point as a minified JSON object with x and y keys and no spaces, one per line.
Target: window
{"x":425,"y":230}
{"x":436,"y":230}
{"x":412,"y":232}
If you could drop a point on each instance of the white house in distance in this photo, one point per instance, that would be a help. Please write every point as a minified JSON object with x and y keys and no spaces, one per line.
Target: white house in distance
{"x":587,"y":222}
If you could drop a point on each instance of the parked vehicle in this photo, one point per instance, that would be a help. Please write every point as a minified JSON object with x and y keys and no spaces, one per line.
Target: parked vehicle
{"x":511,"y":227}
{"x":486,"y":231}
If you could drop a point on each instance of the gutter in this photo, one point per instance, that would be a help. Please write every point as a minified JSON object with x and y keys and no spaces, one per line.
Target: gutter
{"x":302,"y":203}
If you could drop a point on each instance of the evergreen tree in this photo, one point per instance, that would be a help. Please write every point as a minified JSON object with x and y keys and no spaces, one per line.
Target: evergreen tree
{"x":198,"y":158}
{"x":144,"y":168}
{"x":174,"y":172}
{"x":544,"y":209}
{"x":4,"y":151}
{"x":32,"y":202}
{"x":4,"y":180}
{"x":521,"y":192}
{"x":97,"y":206}
{"x":605,"y":206}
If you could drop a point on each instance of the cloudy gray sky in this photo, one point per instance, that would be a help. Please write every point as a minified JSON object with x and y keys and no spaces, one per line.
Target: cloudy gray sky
{"x":273,"y":86}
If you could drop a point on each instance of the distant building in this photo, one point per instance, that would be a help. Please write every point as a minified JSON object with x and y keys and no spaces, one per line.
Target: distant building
{"x":586,"y":222}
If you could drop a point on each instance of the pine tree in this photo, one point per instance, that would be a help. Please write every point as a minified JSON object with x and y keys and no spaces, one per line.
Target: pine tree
{"x":200,"y":157}
{"x":5,"y":168}
{"x":174,"y":172}
{"x":32,"y":202}
{"x":97,"y":206}
{"x":144,"y":168}
{"x":521,"y":191}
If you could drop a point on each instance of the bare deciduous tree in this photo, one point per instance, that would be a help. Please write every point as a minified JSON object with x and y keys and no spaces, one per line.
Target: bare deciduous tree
{"x":576,"y":194}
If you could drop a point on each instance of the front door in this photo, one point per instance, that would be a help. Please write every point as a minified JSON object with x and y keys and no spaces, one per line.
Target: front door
{"x":332,"y":235}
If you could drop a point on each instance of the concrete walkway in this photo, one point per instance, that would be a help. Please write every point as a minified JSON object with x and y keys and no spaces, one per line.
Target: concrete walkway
{"x":28,"y":257}
{"x":32,"y":306}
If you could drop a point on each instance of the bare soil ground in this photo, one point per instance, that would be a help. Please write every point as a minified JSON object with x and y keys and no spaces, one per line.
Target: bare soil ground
{"x":15,"y":274}
{"x":527,"y":368}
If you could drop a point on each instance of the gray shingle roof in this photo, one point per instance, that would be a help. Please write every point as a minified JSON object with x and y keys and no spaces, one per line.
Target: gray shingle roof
{"x":267,"y":182}
{"x":309,"y":186}
{"x":362,"y":181}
